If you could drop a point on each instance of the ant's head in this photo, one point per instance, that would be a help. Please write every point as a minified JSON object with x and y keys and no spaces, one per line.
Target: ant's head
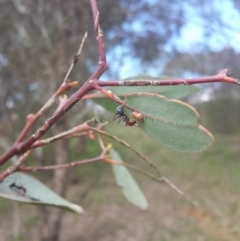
{"x":120,"y":111}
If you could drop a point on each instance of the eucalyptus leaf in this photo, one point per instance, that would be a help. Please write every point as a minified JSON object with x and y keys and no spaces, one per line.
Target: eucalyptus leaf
{"x":180,"y":138}
{"x":157,"y":106}
{"x":107,"y":103}
{"x":129,"y":186}
{"x":24,"y":188}
{"x":172,"y":123}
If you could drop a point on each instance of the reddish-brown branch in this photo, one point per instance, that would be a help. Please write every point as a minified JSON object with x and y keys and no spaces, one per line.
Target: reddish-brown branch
{"x":32,"y":118}
{"x":15,"y":166}
{"x":221,"y":77}
{"x":75,"y":59}
{"x":109,"y":95}
{"x":102,"y":64}
{"x":67,"y":165}
{"x":55,"y":167}
{"x":22,"y":147}
{"x":80,"y":130}
{"x":66,"y":85}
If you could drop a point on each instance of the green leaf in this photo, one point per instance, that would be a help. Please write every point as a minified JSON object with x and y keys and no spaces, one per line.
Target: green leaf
{"x":179,"y":138}
{"x":129,"y":186}
{"x":172,"y":123}
{"x":157,"y":106}
{"x":108,"y":104}
{"x":24,"y":188}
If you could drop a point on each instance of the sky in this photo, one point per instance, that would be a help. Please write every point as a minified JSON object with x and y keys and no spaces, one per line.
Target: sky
{"x":229,"y":15}
{"x":192,"y":35}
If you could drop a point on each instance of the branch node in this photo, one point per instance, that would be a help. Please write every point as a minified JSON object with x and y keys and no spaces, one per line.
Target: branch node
{"x":237,"y":81}
{"x":30,"y":117}
{"x":74,"y":83}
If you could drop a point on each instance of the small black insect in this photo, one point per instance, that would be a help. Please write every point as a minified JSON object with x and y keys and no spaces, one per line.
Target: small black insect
{"x":19,"y":189}
{"x":121,"y":116}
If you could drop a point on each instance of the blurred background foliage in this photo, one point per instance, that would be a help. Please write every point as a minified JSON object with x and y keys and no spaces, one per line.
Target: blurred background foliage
{"x":39,"y":39}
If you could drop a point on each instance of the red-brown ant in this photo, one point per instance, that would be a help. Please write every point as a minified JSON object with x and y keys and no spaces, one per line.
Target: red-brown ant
{"x":121,"y":116}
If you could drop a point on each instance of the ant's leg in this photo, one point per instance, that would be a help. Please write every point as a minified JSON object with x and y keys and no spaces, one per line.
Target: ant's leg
{"x":121,"y":119}
{"x":116,"y":116}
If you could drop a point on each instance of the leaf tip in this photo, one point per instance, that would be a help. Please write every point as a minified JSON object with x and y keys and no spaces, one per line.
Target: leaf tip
{"x":144,"y":206}
{"x":77,"y":209}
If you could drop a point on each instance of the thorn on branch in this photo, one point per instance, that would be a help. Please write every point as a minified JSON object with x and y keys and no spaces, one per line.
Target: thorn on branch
{"x":224,"y":72}
{"x":75,"y":59}
{"x":229,"y":74}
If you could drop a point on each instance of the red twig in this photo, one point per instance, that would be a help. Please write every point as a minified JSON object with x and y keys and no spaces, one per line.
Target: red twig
{"x":55,"y":167}
{"x":20,"y":147}
{"x":221,"y":77}
{"x":66,"y":85}
{"x":15,"y":166}
{"x":80,"y":130}
{"x":75,"y":59}
{"x":102,"y":64}
{"x":66,"y":165}
{"x":32,"y":118}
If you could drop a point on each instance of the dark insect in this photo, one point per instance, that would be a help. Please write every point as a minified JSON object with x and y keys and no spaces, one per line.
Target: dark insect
{"x":121,"y":116}
{"x":19,"y":189}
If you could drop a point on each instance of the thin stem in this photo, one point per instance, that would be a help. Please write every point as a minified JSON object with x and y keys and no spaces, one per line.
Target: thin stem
{"x":15,"y":166}
{"x":160,"y":180}
{"x":129,"y":147}
{"x":19,"y":148}
{"x":76,"y":131}
{"x":66,"y":165}
{"x":61,"y":166}
{"x":75,"y":59}
{"x":32,"y":118}
{"x":102,"y":64}
{"x":109,"y":95}
{"x":173,"y":186}
{"x":222,"y":77}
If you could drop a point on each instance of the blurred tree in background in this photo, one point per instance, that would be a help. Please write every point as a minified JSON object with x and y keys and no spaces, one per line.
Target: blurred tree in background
{"x":39,"y":38}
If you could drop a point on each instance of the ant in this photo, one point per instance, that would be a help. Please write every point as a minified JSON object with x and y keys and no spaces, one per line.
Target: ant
{"x":20,"y":189}
{"x":123,"y":117}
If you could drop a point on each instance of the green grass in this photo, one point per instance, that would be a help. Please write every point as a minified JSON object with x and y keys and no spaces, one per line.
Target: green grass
{"x":5,"y":206}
